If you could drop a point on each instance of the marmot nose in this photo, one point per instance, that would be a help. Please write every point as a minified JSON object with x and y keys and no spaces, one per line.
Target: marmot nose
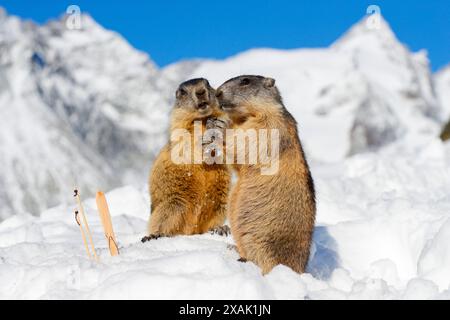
{"x":200,"y":93}
{"x":219,"y":93}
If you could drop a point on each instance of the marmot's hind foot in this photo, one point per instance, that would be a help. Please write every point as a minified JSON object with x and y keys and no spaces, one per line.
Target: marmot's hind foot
{"x":221,"y":230}
{"x":151,"y":237}
{"x":243,"y":260}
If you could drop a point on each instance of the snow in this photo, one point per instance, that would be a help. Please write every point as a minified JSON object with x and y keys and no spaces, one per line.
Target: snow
{"x":369,"y":113}
{"x":383,"y":228}
{"x":442,"y":82}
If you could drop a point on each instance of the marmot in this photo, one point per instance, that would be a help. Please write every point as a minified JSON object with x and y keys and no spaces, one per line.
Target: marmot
{"x":188,"y":198}
{"x":271,"y":216}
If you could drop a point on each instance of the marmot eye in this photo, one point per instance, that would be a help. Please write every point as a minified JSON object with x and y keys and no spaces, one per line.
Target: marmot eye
{"x":182,"y":92}
{"x":245,"y":82}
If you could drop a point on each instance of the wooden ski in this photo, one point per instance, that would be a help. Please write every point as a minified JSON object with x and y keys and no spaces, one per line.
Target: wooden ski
{"x":105,"y":217}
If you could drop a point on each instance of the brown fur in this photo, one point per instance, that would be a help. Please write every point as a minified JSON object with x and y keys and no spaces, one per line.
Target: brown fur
{"x":271,"y":216}
{"x":187,"y":198}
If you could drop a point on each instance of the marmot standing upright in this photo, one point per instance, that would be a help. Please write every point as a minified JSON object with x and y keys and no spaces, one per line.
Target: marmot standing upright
{"x":271,"y":216}
{"x":188,"y":198}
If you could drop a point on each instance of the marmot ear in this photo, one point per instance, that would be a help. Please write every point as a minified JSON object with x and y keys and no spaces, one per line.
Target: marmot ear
{"x":180,"y":92}
{"x":269,"y":82}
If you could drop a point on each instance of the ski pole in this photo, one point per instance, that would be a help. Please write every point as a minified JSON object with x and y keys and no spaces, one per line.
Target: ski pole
{"x":81,"y":209}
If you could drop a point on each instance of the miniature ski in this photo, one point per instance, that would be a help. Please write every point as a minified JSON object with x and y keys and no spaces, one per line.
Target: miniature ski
{"x":105,"y":217}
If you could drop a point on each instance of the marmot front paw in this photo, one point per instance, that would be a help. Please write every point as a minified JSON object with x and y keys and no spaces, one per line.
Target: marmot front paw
{"x":221,"y":230}
{"x":151,"y":237}
{"x":217,"y":123}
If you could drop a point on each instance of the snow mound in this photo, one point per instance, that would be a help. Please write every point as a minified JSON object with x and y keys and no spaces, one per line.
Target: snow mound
{"x":383,"y":229}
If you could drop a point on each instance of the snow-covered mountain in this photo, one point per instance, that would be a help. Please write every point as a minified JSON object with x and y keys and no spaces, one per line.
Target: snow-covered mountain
{"x":82,"y":107}
{"x":78,"y":107}
{"x":364,"y":91}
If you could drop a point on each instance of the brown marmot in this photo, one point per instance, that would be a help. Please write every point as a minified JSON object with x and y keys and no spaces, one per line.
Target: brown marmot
{"x":271,"y":216}
{"x":188,"y":198}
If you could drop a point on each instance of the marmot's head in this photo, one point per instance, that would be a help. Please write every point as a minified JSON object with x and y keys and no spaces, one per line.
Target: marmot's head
{"x":238,"y":96}
{"x":196,"y":97}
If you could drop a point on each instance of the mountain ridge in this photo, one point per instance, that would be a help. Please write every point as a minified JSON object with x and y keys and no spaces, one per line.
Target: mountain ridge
{"x":102,"y":117}
{"x":84,"y":107}
{"x":327,"y":86}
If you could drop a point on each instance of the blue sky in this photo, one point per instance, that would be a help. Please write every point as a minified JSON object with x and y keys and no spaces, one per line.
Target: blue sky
{"x":174,"y":30}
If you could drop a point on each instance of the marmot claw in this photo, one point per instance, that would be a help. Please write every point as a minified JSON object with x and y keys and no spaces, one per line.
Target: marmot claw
{"x":221,"y":230}
{"x":151,"y":237}
{"x":216,"y":123}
